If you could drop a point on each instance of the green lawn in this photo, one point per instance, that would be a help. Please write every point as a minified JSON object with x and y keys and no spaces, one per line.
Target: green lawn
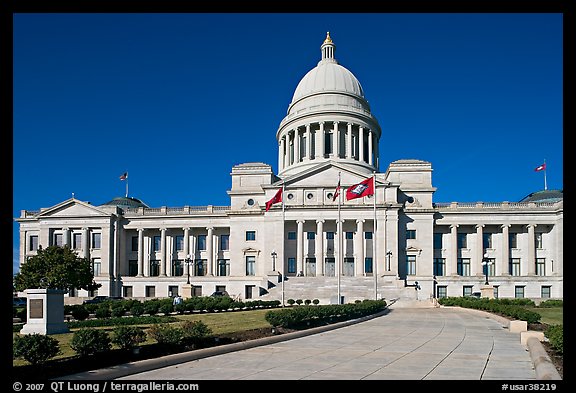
{"x":219,"y":322}
{"x":550,"y":316}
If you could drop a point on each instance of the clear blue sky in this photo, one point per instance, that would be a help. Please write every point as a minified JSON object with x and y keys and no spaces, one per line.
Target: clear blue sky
{"x":177,"y":100}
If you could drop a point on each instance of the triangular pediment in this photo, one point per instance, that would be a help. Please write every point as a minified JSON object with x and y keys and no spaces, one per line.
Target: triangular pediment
{"x":325,"y":175}
{"x":73,"y":208}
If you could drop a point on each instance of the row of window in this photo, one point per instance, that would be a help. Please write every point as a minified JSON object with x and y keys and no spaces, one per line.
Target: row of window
{"x":545,"y":291}
{"x":150,"y":291}
{"x":224,"y":244}
{"x":463,"y":266}
{"x":58,"y":240}
{"x":462,"y":240}
{"x":329,"y":235}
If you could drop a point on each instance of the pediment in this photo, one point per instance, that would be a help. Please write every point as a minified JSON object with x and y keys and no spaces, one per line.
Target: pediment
{"x":73,"y":208}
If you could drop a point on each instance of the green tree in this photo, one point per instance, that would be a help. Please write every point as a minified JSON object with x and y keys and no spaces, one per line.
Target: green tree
{"x":55,"y":268}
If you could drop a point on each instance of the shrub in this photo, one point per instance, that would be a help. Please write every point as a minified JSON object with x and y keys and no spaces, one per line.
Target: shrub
{"x":290,"y":302}
{"x":552,"y":303}
{"x":555,"y":335}
{"x":315,"y":301}
{"x":299,"y":301}
{"x":35,"y":348}
{"x":151,"y":306}
{"x":117,"y":309}
{"x":307,"y":302}
{"x":79,"y":312}
{"x":103,"y":310}
{"x":21,"y":313}
{"x":194,"y":332}
{"x":90,"y":341}
{"x":137,"y":309}
{"x":128,"y":337}
{"x":166,"y":309}
{"x":166,"y":334}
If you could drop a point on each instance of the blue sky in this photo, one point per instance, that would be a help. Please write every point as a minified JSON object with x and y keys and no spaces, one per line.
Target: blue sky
{"x":176,"y":100}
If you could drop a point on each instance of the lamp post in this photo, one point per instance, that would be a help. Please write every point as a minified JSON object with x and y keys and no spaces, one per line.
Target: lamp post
{"x":389,"y":255}
{"x":486,"y":263}
{"x":189,"y":263}
{"x":274,"y":255}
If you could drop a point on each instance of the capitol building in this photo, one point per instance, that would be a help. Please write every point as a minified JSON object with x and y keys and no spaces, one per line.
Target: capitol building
{"x":287,"y":235}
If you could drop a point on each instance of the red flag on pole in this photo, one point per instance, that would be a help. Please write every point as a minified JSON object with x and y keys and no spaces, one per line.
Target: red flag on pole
{"x":124,"y":176}
{"x":361,"y":189}
{"x":275,"y":199}
{"x":540,"y":168}
{"x":337,"y":192}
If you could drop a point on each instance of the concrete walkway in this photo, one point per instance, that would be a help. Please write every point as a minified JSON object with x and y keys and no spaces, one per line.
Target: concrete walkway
{"x":404,"y":344}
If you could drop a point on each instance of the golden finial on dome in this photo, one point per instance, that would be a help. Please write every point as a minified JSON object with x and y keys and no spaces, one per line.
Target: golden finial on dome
{"x":328,"y":40}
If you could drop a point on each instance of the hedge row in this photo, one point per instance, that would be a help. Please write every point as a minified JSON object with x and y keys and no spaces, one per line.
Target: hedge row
{"x":555,"y":335}
{"x":514,"y":308}
{"x":306,"y":316}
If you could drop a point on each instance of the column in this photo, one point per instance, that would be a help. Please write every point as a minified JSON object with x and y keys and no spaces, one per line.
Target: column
{"x":505,"y":262}
{"x":286,"y":142}
{"x":370,"y":148}
{"x":169,"y":254}
{"x":339,"y":248}
{"x":86,"y":242}
{"x":361,"y":143}
{"x":281,"y":154}
{"x":209,"y":251}
{"x":349,"y":141}
{"x":140,"y":252}
{"x":359,"y":248}
{"x":296,"y":146}
{"x":376,"y":154}
{"x":193,"y":243}
{"x":299,"y":247}
{"x":336,"y":140}
{"x":531,"y":260}
{"x":452,"y":265}
{"x":163,"y":252}
{"x":319,"y":148}
{"x":476,"y":267}
{"x":308,"y":143}
{"x":187,"y":250}
{"x":215,"y":253}
{"x":319,"y":248}
{"x":66,"y":237}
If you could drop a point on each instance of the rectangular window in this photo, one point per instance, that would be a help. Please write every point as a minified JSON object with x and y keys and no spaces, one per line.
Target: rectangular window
{"x":77,"y":241}
{"x":487,"y":240}
{"x":329,"y":235}
{"x":249,"y":291}
{"x":442,"y":291}
{"x":172,"y":290}
{"x":538,"y":240}
{"x":519,"y":291}
{"x":545,"y":292}
{"x":410,"y":234}
{"x":250,"y":235}
{"x":513,"y":240}
{"x":250,"y":265}
{"x":410,"y":264}
{"x":134,"y":243}
{"x":367,"y":235}
{"x":150,"y":291}
{"x":462,"y":240}
{"x":348,"y":267}
{"x":311,"y":235}
{"x":224,"y":242}
{"x":368,"y":269}
{"x":127,"y":291}
{"x":96,"y":240}
{"x":179,"y":240}
{"x":328,"y":137}
{"x":58,"y":239}
{"x":439,"y":266}
{"x":349,"y":235}
{"x":437,"y":241}
{"x":223,"y":267}
{"x":291,"y":265}
{"x":463,"y":266}
{"x":200,"y":267}
{"x":495,"y":291}
{"x":540,"y":266}
{"x":132,"y":268}
{"x":154,"y":268}
{"x":467,"y":290}
{"x":201,"y":242}
{"x":291,"y":235}
{"x":514,"y":266}
{"x":330,"y":267}
{"x":33,"y":243}
{"x":177,"y":267}
{"x":96,"y":266}
{"x":157,"y":243}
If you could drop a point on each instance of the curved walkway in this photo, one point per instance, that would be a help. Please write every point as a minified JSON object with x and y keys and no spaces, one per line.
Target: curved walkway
{"x":404,"y":344}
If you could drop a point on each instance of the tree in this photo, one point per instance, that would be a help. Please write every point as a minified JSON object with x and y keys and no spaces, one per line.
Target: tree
{"x":55,"y":268}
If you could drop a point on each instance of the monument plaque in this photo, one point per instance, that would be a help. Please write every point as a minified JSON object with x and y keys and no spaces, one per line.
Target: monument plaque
{"x":36,"y":308}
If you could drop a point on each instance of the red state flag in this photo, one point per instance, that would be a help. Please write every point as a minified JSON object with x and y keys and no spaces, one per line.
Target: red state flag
{"x":124,"y":176}
{"x":360,"y":190}
{"x":275,"y":199}
{"x":337,"y":192}
{"x":540,"y":168}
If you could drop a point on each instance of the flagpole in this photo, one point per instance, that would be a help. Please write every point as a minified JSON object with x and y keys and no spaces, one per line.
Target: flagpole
{"x":126,"y":185}
{"x":339,"y":230}
{"x":375,"y":260}
{"x":545,"y":185}
{"x":283,"y":248}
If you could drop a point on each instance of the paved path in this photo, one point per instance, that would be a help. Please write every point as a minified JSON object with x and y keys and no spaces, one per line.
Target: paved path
{"x":404,"y":344}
